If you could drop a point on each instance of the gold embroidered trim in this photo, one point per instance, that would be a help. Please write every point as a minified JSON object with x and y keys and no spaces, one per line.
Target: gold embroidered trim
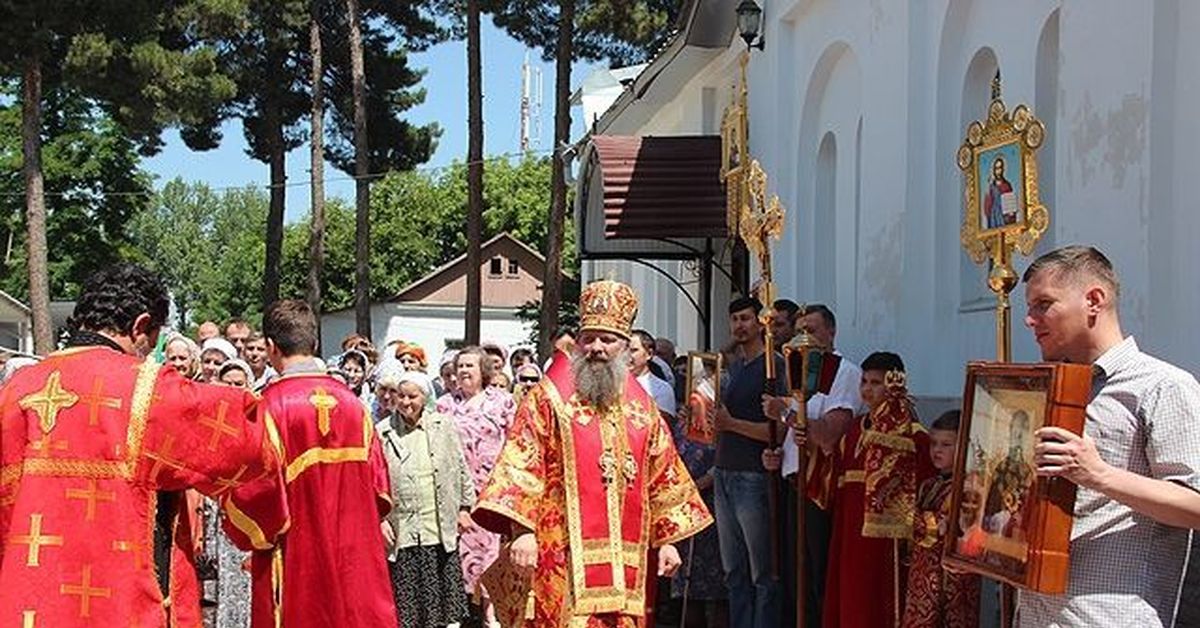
{"x":891,"y":441}
{"x":247,"y":525}
{"x":321,"y":455}
{"x":562,"y":420}
{"x":139,"y":410}
{"x":850,"y":477}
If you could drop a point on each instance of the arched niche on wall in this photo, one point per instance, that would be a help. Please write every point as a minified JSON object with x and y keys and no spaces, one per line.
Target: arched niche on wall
{"x":826,"y":197}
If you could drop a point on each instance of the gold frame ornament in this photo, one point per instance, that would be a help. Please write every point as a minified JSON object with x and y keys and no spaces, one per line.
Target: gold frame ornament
{"x":1017,"y":218}
{"x":735,"y":152}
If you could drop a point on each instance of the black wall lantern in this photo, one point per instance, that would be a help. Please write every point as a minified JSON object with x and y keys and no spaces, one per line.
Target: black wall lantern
{"x":749,"y":20}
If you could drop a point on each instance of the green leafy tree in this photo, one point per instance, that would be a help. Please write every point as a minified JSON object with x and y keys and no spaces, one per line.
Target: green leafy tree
{"x":94,"y":184}
{"x":208,"y":246}
{"x":147,"y":65}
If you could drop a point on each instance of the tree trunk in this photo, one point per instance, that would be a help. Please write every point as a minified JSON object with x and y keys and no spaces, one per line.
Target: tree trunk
{"x":551,"y":284}
{"x":362,"y":185}
{"x":316,"y":234}
{"x":277,"y":161}
{"x":35,"y":207}
{"x":474,"y":303}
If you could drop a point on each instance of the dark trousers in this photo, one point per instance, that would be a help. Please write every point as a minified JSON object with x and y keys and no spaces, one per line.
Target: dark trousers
{"x":817,"y":531}
{"x":1189,"y":602}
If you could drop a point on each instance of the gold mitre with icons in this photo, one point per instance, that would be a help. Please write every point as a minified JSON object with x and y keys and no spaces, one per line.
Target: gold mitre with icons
{"x":608,"y":305}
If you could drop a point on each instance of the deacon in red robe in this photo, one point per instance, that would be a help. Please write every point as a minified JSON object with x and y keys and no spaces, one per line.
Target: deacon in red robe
{"x":870,"y":482}
{"x":328,"y":568}
{"x":588,"y":484}
{"x":97,"y":445}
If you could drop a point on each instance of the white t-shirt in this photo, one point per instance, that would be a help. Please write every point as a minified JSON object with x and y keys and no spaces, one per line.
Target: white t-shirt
{"x":842,"y":395}
{"x":660,"y":391}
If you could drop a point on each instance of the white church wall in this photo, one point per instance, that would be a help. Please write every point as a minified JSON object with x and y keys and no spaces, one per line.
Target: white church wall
{"x":889,"y":88}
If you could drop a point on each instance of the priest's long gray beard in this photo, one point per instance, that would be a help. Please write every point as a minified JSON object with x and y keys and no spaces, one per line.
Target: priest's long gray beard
{"x":598,"y":382}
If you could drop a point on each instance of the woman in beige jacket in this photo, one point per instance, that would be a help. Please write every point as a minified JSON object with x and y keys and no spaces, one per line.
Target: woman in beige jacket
{"x":432,"y":493}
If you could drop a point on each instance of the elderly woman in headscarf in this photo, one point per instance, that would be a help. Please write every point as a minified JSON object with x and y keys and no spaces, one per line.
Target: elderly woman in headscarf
{"x":387,"y":389}
{"x":412,"y":357}
{"x":356,"y":367}
{"x":182,"y":354}
{"x":432,"y":493}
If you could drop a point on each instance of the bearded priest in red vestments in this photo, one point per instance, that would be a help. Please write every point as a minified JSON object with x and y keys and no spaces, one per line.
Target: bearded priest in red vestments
{"x":871,"y":482}
{"x":589,"y":481}
{"x":328,"y":568}
{"x":97,"y":445}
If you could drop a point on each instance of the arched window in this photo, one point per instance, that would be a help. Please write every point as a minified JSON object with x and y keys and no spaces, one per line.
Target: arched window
{"x":825,"y":231}
{"x":976,"y":95}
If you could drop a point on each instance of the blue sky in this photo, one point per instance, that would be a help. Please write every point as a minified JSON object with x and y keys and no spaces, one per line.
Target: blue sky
{"x":445,"y":103}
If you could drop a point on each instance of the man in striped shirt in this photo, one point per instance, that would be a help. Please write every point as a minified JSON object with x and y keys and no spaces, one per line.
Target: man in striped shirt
{"x":1137,"y":465}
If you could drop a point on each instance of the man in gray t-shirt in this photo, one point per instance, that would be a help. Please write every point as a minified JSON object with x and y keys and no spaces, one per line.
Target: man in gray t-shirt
{"x":1137,"y":465}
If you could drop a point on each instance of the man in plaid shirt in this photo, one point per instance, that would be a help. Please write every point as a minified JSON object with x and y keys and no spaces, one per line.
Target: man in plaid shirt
{"x":1137,"y":465}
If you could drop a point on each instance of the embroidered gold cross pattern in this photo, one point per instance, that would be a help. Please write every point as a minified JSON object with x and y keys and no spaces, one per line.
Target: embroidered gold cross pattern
{"x":27,"y":618}
{"x":608,"y":467}
{"x":134,"y":548}
{"x":91,"y":495}
{"x":96,"y":400}
{"x":228,"y":484}
{"x":219,"y":426}
{"x":85,"y":591}
{"x":35,"y":540}
{"x":162,"y":458}
{"x":46,"y":443}
{"x":323,"y":402}
{"x":49,"y":401}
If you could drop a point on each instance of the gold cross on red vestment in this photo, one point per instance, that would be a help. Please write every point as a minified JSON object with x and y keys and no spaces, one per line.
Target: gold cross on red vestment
{"x":134,"y":548}
{"x":219,"y":426}
{"x":96,"y":400}
{"x":91,"y":495}
{"x":35,"y":540}
{"x":228,"y":484}
{"x":323,"y":402}
{"x":49,"y":401}
{"x":46,"y":443}
{"x":85,"y":591}
{"x":162,"y":458}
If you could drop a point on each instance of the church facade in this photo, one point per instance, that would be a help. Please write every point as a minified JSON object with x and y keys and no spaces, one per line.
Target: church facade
{"x":856,"y":110}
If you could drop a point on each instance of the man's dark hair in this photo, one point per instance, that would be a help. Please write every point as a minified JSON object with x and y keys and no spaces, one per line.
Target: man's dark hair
{"x":824,"y":311}
{"x":1075,"y":262}
{"x":948,"y":421}
{"x":562,"y":331}
{"x":745,"y":303}
{"x":787,"y":305}
{"x":883,"y":361}
{"x":292,"y":326}
{"x":112,"y":298}
{"x":518,"y":355}
{"x":646,"y":339}
{"x":237,"y":322}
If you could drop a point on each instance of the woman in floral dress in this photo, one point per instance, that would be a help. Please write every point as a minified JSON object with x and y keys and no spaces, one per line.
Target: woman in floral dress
{"x":482,"y":415}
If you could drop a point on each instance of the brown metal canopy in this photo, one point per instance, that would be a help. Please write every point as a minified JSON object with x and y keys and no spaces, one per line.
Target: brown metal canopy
{"x":661,"y":187}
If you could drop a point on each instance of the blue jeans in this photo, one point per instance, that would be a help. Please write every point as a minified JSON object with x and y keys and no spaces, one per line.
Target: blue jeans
{"x":744,"y":534}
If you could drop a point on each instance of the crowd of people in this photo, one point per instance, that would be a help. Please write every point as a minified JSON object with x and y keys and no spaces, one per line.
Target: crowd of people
{"x":427,"y":480}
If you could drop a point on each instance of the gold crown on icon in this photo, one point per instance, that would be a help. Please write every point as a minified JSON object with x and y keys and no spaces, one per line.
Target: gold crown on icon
{"x":608,"y":305}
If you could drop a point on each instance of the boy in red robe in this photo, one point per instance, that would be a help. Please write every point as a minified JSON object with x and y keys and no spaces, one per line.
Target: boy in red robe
{"x":329,"y":568}
{"x":97,"y":445}
{"x":870,"y":482}
{"x":938,"y":598}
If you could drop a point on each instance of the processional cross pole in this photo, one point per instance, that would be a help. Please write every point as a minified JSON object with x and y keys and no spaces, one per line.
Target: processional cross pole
{"x":756,"y":219}
{"x":1002,"y":213}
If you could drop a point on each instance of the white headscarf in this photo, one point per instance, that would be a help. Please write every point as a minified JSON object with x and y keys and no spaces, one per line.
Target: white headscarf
{"x":423,"y":382}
